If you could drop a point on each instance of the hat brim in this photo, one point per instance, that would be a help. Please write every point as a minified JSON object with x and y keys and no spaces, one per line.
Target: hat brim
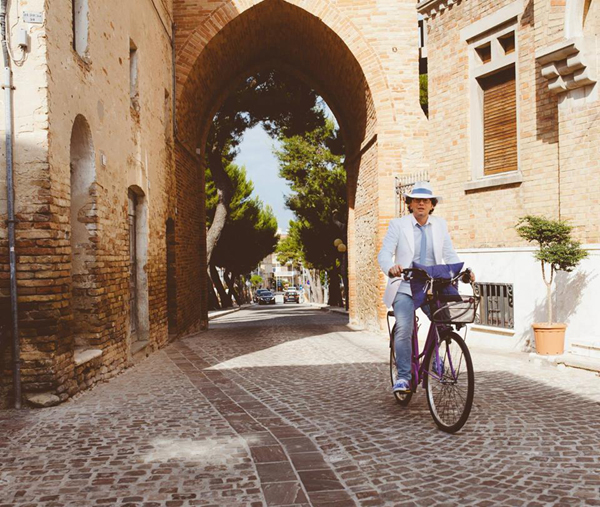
{"x":422,"y":196}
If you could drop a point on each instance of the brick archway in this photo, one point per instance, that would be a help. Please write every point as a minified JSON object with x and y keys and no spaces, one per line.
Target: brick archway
{"x":315,"y":41}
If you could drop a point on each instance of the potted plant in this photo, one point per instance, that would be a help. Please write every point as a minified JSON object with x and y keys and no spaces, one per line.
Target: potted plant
{"x":557,"y":252}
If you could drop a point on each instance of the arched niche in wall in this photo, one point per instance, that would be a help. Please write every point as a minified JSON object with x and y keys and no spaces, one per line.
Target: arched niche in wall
{"x":139,"y":319}
{"x":80,"y":26}
{"x":171,"y":277}
{"x":82,"y":220}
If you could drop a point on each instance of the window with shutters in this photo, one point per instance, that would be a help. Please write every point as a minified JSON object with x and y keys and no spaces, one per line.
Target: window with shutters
{"x":499,"y":122}
{"x":494,"y":115}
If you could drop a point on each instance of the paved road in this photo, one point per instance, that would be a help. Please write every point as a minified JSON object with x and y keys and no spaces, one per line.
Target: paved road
{"x":285,"y":405}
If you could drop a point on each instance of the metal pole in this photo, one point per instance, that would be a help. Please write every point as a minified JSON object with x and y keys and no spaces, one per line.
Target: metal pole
{"x":7,"y":85}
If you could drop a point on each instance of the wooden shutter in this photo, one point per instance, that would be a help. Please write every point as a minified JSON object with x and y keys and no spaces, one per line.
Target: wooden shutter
{"x":499,"y":122}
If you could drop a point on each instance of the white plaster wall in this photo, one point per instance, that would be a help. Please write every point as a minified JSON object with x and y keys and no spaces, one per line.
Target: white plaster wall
{"x":30,"y":124}
{"x":575,"y":297}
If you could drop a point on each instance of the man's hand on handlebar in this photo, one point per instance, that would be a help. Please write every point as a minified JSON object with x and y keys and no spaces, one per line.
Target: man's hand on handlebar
{"x":395,"y":271}
{"x":468,"y":276}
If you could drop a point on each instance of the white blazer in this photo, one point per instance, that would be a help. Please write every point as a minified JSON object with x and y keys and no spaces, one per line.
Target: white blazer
{"x":399,"y":248}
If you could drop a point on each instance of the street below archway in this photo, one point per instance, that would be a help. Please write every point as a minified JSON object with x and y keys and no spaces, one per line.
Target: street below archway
{"x":287,"y":405}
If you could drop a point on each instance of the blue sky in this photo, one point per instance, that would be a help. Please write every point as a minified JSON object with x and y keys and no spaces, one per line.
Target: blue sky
{"x":256,"y":154}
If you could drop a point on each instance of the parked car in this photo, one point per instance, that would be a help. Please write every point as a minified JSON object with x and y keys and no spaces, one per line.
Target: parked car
{"x":291,"y":296}
{"x":258,"y":293}
{"x":266,"y":298}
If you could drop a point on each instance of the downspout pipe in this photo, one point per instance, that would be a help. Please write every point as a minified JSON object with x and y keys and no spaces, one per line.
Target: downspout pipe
{"x":7,"y":85}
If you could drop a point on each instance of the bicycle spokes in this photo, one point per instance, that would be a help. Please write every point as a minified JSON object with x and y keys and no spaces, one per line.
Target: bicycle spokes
{"x":450,"y":383}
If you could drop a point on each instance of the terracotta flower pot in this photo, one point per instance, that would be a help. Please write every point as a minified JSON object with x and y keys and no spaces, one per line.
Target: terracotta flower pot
{"x":549,"y":338}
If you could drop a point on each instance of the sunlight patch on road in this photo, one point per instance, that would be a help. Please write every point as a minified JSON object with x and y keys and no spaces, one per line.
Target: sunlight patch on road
{"x":324,"y":349}
{"x":209,"y":451}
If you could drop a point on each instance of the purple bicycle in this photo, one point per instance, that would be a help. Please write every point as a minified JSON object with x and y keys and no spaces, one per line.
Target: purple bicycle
{"x":444,"y":367}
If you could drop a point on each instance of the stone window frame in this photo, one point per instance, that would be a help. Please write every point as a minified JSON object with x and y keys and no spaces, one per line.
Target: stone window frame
{"x":489,"y":30}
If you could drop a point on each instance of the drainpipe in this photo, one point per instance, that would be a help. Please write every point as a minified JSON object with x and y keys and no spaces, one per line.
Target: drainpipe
{"x":7,"y":85}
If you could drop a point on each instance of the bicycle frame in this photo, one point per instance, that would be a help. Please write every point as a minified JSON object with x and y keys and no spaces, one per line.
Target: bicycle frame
{"x":444,"y":366}
{"x":418,"y":371}
{"x":417,"y":360}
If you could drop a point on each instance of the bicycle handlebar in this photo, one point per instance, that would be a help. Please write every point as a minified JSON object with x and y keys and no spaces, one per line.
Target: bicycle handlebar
{"x":408,"y":273}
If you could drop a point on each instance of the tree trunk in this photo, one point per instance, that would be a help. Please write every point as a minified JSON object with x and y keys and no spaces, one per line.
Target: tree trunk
{"x":549,"y":296}
{"x":335,"y":295}
{"x":345,"y":280}
{"x":213,"y":300}
{"x":224,"y":194}
{"x":318,"y":289}
{"x":232,"y":290}
{"x":548,"y":290}
{"x":225,"y":298}
{"x":310,"y":285}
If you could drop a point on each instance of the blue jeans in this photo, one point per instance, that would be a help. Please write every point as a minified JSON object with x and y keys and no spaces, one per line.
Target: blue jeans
{"x":404,"y":311}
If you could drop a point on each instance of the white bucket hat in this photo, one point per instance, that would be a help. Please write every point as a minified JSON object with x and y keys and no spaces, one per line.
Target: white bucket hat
{"x":422,"y":190}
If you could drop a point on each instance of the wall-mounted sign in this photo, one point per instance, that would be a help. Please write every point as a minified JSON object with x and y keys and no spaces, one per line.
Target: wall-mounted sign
{"x":33,"y":17}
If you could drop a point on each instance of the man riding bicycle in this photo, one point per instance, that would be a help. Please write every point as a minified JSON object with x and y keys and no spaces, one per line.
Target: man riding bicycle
{"x":421,"y":238}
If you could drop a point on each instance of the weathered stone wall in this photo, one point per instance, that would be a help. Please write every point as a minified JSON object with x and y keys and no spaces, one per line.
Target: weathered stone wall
{"x":132,"y":147}
{"x":39,"y":270}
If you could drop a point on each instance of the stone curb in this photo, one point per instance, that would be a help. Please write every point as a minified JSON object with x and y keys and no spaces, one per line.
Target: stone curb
{"x":222,"y":313}
{"x":570,"y":360}
{"x":328,"y":308}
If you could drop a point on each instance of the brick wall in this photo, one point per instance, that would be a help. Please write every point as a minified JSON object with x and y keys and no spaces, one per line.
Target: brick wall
{"x":470,"y":213}
{"x":557,"y":142}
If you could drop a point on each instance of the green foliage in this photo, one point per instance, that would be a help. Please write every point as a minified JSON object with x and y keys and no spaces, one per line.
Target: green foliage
{"x":283,"y":104}
{"x":318,"y":183}
{"x":250,"y":232}
{"x":256,"y":280}
{"x":424,"y":91}
{"x":289,"y":249}
{"x":557,"y":248}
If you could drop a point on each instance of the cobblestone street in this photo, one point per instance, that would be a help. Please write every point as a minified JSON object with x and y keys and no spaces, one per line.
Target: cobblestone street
{"x":286,"y":405}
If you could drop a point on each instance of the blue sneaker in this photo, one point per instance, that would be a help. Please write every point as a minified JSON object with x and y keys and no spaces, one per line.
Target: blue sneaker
{"x":401,"y":386}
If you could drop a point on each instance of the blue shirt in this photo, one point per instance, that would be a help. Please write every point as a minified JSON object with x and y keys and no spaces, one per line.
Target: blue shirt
{"x":429,"y":257}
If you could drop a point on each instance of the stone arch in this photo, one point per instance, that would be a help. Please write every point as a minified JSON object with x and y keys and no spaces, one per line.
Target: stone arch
{"x":316,"y":42}
{"x":83,"y":217}
{"x":218,"y":25}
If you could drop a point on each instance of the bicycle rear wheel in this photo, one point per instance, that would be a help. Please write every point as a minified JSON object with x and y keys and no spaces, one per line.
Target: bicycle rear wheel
{"x":450,"y":391}
{"x":402,"y":398}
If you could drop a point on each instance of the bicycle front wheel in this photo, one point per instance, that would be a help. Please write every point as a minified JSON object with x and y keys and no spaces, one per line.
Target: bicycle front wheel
{"x":449,"y":382}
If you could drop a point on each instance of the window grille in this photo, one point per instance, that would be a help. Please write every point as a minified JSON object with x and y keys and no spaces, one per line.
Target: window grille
{"x":496,"y":308}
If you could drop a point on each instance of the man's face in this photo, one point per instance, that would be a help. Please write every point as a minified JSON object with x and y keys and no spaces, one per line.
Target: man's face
{"x":421,"y":208}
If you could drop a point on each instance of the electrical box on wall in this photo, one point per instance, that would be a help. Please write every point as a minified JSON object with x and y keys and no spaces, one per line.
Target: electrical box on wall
{"x":23,"y":39}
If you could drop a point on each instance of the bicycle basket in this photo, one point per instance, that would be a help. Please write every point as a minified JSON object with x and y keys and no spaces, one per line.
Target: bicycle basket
{"x":462,"y":311}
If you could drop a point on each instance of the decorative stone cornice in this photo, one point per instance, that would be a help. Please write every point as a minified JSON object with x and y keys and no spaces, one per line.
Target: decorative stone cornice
{"x":565,"y":65}
{"x":430,"y":8}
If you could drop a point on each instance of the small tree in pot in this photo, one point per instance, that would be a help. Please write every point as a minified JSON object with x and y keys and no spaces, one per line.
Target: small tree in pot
{"x":557,"y":252}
